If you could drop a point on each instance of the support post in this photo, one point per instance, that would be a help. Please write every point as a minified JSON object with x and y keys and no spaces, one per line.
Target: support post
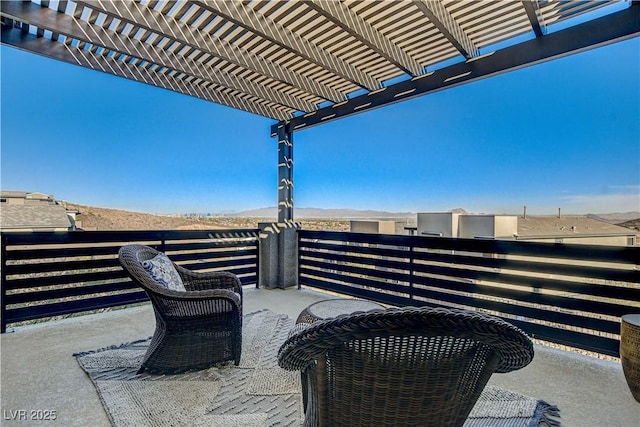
{"x":285,"y":174}
{"x":279,"y":241}
{"x":3,"y":285}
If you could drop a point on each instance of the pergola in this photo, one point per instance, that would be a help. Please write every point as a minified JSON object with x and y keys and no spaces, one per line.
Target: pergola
{"x":304,"y":63}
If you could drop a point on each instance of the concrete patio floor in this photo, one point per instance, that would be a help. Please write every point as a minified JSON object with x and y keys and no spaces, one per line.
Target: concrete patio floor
{"x":39,"y":372}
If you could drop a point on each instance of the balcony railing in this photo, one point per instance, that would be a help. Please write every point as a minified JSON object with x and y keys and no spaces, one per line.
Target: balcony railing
{"x":572,"y":295}
{"x":52,"y":274}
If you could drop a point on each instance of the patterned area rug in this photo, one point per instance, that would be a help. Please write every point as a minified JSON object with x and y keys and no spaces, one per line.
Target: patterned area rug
{"x":257,"y":393}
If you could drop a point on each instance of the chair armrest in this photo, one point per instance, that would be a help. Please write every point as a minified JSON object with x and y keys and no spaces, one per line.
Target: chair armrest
{"x":196,"y":303}
{"x":297,"y":328}
{"x":301,"y":347}
{"x":514,"y":347}
{"x":199,"y":281}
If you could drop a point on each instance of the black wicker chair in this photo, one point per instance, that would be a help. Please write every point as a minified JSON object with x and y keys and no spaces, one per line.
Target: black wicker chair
{"x":196,"y":328}
{"x":401,"y":367}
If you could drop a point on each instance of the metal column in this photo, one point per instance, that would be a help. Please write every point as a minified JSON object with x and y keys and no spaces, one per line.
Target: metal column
{"x":279,"y":241}
{"x":285,"y":175}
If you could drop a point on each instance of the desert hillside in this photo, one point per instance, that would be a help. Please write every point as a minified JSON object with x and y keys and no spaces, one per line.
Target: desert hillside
{"x":93,"y":218}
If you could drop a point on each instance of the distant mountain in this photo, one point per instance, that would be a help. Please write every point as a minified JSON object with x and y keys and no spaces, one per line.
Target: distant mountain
{"x":615,"y":218}
{"x":317,"y":213}
{"x":634,"y":224}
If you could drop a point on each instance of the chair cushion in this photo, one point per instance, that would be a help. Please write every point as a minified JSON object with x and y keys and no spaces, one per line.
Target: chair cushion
{"x":161,"y":269}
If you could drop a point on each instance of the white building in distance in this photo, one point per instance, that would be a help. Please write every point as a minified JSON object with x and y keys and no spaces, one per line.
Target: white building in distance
{"x":549,"y":229}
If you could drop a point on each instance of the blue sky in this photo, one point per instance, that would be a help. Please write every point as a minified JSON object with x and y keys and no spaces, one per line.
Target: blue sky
{"x":563,"y":134}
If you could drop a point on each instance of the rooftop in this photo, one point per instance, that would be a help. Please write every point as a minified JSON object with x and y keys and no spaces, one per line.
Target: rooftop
{"x":34,"y":217}
{"x":24,"y":211}
{"x":568,"y":226}
{"x":39,"y":371}
{"x":302,"y":64}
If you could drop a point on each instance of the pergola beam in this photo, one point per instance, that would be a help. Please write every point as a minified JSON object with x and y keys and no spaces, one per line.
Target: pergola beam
{"x":605,"y":30}
{"x":173,"y":29}
{"x":442,"y":19}
{"x":367,"y":34}
{"x":89,"y":59}
{"x":51,"y":20}
{"x":283,"y":37}
{"x":532,"y":7}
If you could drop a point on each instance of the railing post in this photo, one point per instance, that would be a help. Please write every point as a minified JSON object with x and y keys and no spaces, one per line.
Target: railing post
{"x":411,"y":269}
{"x":298,"y":260}
{"x":278,"y":255}
{"x":163,"y":242}
{"x":3,"y":286}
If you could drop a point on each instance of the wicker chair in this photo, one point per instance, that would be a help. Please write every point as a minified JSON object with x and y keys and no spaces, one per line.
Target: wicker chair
{"x":195,"y":328}
{"x":401,"y":367}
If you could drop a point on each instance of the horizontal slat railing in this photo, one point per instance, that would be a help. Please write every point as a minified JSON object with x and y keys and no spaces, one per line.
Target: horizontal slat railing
{"x":51,"y":274}
{"x":573,"y":295}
